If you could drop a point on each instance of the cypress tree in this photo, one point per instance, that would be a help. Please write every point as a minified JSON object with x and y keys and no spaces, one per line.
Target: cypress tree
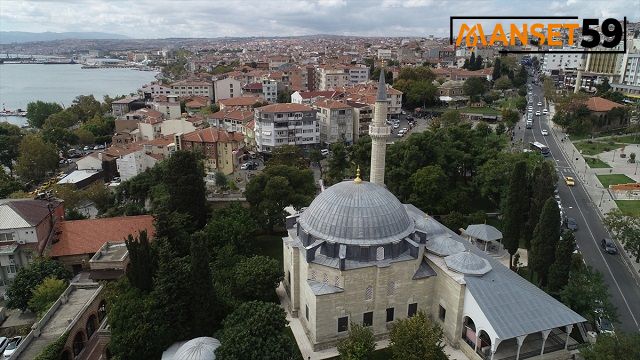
{"x":141,"y":262}
{"x":184,"y":181}
{"x":559,"y":271}
{"x":478,"y":63}
{"x":516,"y":209}
{"x":545,"y":239}
{"x":472,"y":61}
{"x":202,"y":292}
{"x":542,"y":187}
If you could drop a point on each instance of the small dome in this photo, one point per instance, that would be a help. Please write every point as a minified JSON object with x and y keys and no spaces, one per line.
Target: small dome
{"x":443,"y":245}
{"x":428,"y":225}
{"x":202,"y":348}
{"x":357,"y":213}
{"x":467,"y":263}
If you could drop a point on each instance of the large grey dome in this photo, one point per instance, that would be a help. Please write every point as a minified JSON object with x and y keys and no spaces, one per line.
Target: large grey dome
{"x":357,"y":213}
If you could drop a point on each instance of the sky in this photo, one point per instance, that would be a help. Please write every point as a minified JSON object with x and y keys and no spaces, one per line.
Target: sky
{"x":216,"y":18}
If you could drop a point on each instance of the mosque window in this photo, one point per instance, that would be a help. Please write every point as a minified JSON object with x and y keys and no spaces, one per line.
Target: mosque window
{"x":368,"y":294}
{"x":391,"y":288}
{"x":343,"y":324}
{"x":442,"y":313}
{"x":325,"y":278}
{"x":313,"y":275}
{"x":336,"y":281}
{"x":380,"y":253}
{"x":413,"y":309}
{"x":367,"y":319}
{"x":390,"y":314}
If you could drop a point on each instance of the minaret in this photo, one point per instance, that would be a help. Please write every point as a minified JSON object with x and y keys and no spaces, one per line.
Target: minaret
{"x":379,"y":132}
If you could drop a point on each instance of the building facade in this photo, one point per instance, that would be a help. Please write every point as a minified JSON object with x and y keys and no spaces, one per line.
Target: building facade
{"x":226,"y":88}
{"x":220,"y":148}
{"x":328,"y":78}
{"x":285,"y":124}
{"x":336,"y":122}
{"x":192,"y":87}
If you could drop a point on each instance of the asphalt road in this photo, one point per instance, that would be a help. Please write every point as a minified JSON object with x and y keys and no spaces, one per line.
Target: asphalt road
{"x":624,"y":290}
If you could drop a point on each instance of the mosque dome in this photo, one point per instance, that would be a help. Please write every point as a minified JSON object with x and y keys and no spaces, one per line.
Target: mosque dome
{"x":443,"y":245}
{"x":467,"y":263}
{"x":357,"y":213}
{"x":201,"y":348}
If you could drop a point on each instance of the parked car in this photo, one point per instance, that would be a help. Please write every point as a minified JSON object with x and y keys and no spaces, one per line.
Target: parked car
{"x":545,"y":111}
{"x":11,"y":347}
{"x":537,"y":113}
{"x":604,"y":325}
{"x":572,"y":224}
{"x":569,"y":181}
{"x":544,"y":132}
{"x":324,"y":152}
{"x":3,"y":343}
{"x":608,"y":246}
{"x":249,"y":165}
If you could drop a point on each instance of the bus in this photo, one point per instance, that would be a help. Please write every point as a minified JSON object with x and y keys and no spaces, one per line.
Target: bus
{"x":541,"y":148}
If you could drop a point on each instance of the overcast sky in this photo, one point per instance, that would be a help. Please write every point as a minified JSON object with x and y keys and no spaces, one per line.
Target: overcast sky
{"x":214,"y":18}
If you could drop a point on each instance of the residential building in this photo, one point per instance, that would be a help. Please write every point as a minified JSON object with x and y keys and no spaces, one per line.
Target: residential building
{"x":123,"y":106}
{"x":220,"y":148}
{"x":134,"y":163}
{"x":154,"y":89}
{"x":310,"y":97}
{"x":329,"y":78}
{"x":90,"y":162}
{"x":600,"y":109}
{"x":168,"y":106}
{"x":270,"y":90}
{"x":233,"y":120}
{"x":588,"y":80}
{"x":358,"y":74}
{"x":362,"y":117}
{"x":366,"y":94}
{"x":557,"y":61}
{"x":336,"y":122}
{"x":385,"y":54}
{"x":629,"y":75}
{"x":451,"y":92}
{"x":226,"y":88}
{"x":285,"y":124}
{"x":192,"y":87}
{"x":243,"y":102}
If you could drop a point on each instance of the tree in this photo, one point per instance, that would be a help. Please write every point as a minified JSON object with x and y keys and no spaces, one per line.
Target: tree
{"x":503,"y":83}
{"x":475,"y":87}
{"x":521,"y":103}
{"x":256,"y":278}
{"x":521,"y":77}
{"x":510,"y":117}
{"x":338,"y":163}
{"x":359,"y":345}
{"x":417,"y":338}
{"x":289,"y":155}
{"x":28,"y":278}
{"x":54,"y":350}
{"x":545,"y":239}
{"x":59,"y":137}
{"x":603,"y":87}
{"x":63,"y":120}
{"x":45,"y":294}
{"x":36,"y":158}
{"x":284,"y":96}
{"x":360,"y":155}
{"x":478,"y":63}
{"x":8,"y":184}
{"x":221,"y":180}
{"x":141,"y":262}
{"x":516,"y":209}
{"x":84,"y":136}
{"x":203,"y":307}
{"x":451,"y":118}
{"x":453,"y":220}
{"x":232,"y":225}
{"x":587,"y":294}
{"x":10,"y":137}
{"x":559,"y":270}
{"x":549,"y":88}
{"x":85,"y":107}
{"x":184,"y":181}
{"x":428,"y":184}
{"x":543,"y":184}
{"x":626,"y":229}
{"x":621,"y":346}
{"x":497,"y":69}
{"x":472,"y":61}
{"x":39,"y":111}
{"x":255,"y":330}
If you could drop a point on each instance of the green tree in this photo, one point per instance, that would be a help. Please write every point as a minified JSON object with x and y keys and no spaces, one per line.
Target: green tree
{"x":141,"y":262}
{"x":39,"y":111}
{"x":360,"y":155}
{"x":603,"y":87}
{"x":184,"y":179}
{"x":289,"y":155}
{"x":284,"y":96}
{"x":338,"y":163}
{"x":428,"y":192}
{"x":559,"y":270}
{"x":417,"y":338}
{"x":451,"y":118}
{"x":233,"y":225}
{"x":549,"y":89}
{"x":453,"y":220}
{"x":59,"y":137}
{"x":85,"y":137}
{"x":221,"y":180}
{"x":497,"y":67}
{"x":85,"y":107}
{"x":8,"y":184}
{"x":28,"y":278}
{"x":203,"y":304}
{"x":10,"y":138}
{"x":521,"y":103}
{"x":256,"y":278}
{"x":587,"y":294}
{"x":521,"y":77}
{"x":54,"y":350}
{"x":621,"y":346}
{"x":475,"y":87}
{"x":45,"y":294}
{"x":255,"y":330}
{"x":62,"y":120}
{"x":510,"y":117}
{"x":503,"y":83}
{"x":626,"y":230}
{"x":36,"y":158}
{"x":516,"y":209}
{"x":545,"y":239}
{"x":543,"y":184}
{"x":359,"y":345}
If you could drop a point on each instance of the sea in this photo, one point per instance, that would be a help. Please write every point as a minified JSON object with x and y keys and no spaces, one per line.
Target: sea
{"x":23,"y":83}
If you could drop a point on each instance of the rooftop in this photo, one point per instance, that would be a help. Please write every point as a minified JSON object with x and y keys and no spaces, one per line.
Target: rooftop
{"x":20,"y":213}
{"x":285,"y":107}
{"x":212,"y":135}
{"x":599,"y":104}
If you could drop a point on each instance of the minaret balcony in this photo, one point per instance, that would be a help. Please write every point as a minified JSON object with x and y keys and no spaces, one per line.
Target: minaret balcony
{"x":375,"y":130}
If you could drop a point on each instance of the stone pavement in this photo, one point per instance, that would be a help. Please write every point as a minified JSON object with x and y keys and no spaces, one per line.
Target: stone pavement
{"x":600,"y":197}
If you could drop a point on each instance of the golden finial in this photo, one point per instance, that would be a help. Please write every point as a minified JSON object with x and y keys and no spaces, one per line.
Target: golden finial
{"x":357,"y":180}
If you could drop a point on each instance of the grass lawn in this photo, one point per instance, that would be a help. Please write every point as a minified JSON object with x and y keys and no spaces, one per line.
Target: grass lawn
{"x":596,"y":163}
{"x":481,"y":110}
{"x":628,"y":139}
{"x":270,"y":245}
{"x":596,"y":147}
{"x":629,"y":207}
{"x":614,"y":179}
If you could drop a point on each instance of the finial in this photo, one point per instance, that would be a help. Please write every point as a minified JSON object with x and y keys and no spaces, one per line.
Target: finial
{"x":357,"y":180}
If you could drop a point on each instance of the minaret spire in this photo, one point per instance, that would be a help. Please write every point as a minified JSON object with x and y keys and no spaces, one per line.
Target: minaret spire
{"x":379,"y":132}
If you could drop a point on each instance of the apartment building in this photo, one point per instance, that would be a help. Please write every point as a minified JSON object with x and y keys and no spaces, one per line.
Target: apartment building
{"x":358,"y":74}
{"x":168,"y":105}
{"x":336,"y":122}
{"x":220,"y":148}
{"x":562,"y":62}
{"x":285,"y":124}
{"x":226,"y":88}
{"x":192,"y":87}
{"x":269,"y":89}
{"x":331,"y":78}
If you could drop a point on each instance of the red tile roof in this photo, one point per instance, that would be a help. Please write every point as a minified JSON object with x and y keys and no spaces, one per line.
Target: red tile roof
{"x":285,"y":107}
{"x":332,"y":104}
{"x":599,"y":104}
{"x":253,"y":86}
{"x":212,"y":135}
{"x":312,"y":94}
{"x":87,"y":236}
{"x":240,"y":101}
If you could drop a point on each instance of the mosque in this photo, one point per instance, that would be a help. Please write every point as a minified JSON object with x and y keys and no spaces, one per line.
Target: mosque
{"x":358,"y":255}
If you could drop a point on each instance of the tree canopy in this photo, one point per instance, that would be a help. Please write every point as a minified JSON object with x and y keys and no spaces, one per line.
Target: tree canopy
{"x":626,"y":230}
{"x":28,"y":278}
{"x":545,"y":239}
{"x":359,"y":345}
{"x":417,"y":338}
{"x":10,"y":138}
{"x":621,"y":346}
{"x":39,"y":111}
{"x":36,"y":159}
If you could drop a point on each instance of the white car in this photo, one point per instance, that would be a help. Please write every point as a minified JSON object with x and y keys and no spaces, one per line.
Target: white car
{"x":11,"y":347}
{"x":545,"y":111}
{"x":537,"y":113}
{"x":3,"y":343}
{"x":539,"y":104}
{"x":324,"y":152}
{"x":395,"y":126}
{"x":545,"y":132}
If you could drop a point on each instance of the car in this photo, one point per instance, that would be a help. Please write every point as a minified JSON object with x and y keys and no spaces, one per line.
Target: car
{"x":604,"y":325}
{"x":86,"y":148}
{"x":545,"y":111}
{"x":11,"y":347}
{"x":537,"y":113}
{"x":544,"y":132}
{"x":3,"y":343}
{"x":539,"y":104}
{"x":608,"y":246}
{"x":97,"y":147}
{"x":324,"y":152}
{"x":570,"y":181}
{"x":245,"y":166}
{"x":572,"y":224}
{"x":396,"y":125}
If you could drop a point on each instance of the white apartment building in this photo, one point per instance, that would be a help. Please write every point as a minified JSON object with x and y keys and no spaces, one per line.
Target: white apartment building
{"x":226,"y":88}
{"x":285,"y":124}
{"x":562,"y":62}
{"x":358,"y":74}
{"x":385,"y":54}
{"x":151,"y":90}
{"x":336,"y":122}
{"x":630,"y":72}
{"x":134,"y":163}
{"x":331,"y":79}
{"x":270,"y":90}
{"x":170,"y":108}
{"x":192,"y":87}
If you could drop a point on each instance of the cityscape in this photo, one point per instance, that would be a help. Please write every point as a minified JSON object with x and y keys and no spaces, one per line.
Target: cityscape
{"x":319,"y":180}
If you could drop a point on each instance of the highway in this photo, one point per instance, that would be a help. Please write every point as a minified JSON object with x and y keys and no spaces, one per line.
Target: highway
{"x":623,"y":287}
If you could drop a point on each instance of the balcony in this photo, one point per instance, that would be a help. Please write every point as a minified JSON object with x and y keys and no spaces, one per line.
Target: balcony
{"x":379,"y":130}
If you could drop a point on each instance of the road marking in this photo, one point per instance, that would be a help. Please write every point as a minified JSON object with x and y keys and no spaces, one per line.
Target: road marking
{"x":594,"y":239}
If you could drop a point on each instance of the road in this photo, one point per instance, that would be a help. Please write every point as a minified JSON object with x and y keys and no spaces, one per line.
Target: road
{"x":624,"y":290}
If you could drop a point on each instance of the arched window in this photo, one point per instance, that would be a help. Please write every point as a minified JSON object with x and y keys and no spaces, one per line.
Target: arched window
{"x":380,"y":253}
{"x":325,"y":278}
{"x":91,"y":325}
{"x":78,"y":343}
{"x":368,"y":294}
{"x":391,"y":288}
{"x":102,"y":310}
{"x":313,"y":275}
{"x":336,"y":281}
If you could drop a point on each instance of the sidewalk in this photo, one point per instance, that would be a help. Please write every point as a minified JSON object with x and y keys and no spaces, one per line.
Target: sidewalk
{"x":600,"y":197}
